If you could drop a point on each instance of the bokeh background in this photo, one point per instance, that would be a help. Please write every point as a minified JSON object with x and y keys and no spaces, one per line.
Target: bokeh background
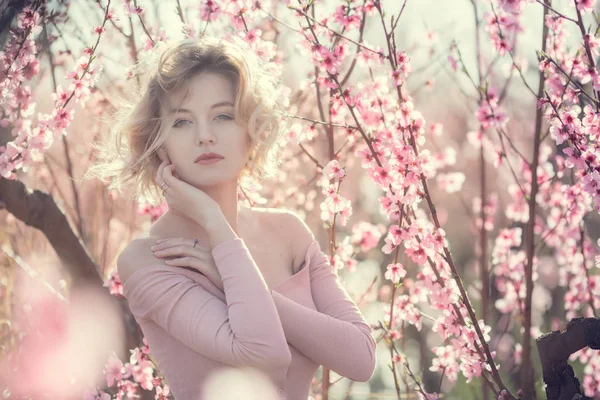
{"x":63,"y":350}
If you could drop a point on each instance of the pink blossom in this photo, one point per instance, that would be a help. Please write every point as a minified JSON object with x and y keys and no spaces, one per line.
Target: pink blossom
{"x":62,"y":118}
{"x":395,"y":272}
{"x":366,"y":235}
{"x":335,"y":202}
{"x":114,"y":370}
{"x":512,"y":6}
{"x":333,"y":170}
{"x":114,"y":283}
{"x":209,"y":10}
{"x":347,"y":16}
{"x":329,"y":60}
{"x":60,"y":97}
{"x":446,"y":359}
{"x":94,"y":394}
{"x":162,"y":393}
{"x":345,"y":213}
{"x":381,"y":176}
{"x":471,"y":370}
{"x":489,"y":117}
{"x":31,"y":69}
{"x":453,"y":63}
{"x":130,"y":9}
{"x":81,"y":90}
{"x":418,"y":254}
{"x":142,"y":374}
{"x":451,"y":182}
{"x":585,"y":6}
{"x":407,"y":311}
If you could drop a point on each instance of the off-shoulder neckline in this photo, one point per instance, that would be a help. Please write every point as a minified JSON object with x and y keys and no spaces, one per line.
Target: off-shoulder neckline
{"x":307,"y":258}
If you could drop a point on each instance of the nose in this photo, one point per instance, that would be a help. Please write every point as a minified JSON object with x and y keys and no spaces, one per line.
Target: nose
{"x":204,"y":135}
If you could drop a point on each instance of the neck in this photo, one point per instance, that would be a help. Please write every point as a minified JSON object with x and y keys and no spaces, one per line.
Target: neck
{"x":225,"y":195}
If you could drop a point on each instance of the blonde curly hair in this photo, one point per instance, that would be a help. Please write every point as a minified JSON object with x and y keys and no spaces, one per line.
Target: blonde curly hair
{"x":137,"y":129}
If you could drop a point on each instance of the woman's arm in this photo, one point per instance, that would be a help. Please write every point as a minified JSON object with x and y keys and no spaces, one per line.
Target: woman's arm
{"x":336,"y":335}
{"x":244,"y":331}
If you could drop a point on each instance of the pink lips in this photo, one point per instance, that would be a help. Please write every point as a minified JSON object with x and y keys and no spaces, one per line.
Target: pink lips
{"x":208,"y":155}
{"x":208,"y":161}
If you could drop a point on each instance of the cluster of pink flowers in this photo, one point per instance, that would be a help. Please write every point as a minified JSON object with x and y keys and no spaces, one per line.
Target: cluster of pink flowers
{"x":329,"y":60}
{"x":113,"y":283}
{"x":504,"y":27}
{"x":401,"y":73}
{"x":20,"y":66}
{"x":489,"y":114}
{"x":509,"y":268}
{"x":591,"y":359}
{"x":579,"y":130}
{"x":154,"y":212}
{"x":514,"y":6}
{"x":562,"y":106}
{"x":450,"y":182}
{"x":209,"y":10}
{"x":422,"y":241}
{"x":489,"y":211}
{"x":348,"y":16}
{"x":585,"y":6}
{"x":17,"y":61}
{"x":129,"y":377}
{"x":575,"y":130}
{"x":151,"y":41}
{"x":334,"y":203}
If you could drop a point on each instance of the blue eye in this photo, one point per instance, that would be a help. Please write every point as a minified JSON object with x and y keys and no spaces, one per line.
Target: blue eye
{"x":176,"y":124}
{"x":224,"y":115}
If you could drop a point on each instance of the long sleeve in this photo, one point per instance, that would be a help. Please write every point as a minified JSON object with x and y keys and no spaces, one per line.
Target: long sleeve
{"x":246,"y":331}
{"x":336,"y":336}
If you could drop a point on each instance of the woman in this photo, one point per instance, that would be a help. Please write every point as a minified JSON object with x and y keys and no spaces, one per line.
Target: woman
{"x":215,"y":285}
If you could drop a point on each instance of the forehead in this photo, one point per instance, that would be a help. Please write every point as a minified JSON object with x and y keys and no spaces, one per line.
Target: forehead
{"x":203,"y":90}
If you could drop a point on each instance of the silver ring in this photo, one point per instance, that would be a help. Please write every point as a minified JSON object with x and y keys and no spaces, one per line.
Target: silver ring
{"x":195,"y":242}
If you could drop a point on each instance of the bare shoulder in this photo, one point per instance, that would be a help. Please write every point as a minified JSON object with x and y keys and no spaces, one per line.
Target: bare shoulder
{"x":291,"y":227}
{"x":271,"y":217}
{"x":136,"y":255}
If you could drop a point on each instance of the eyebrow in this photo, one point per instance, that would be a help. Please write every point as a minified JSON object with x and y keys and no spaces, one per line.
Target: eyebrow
{"x":219,"y":104}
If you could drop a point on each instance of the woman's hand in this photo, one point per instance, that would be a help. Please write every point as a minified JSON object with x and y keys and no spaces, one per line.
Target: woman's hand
{"x":184,"y":197}
{"x":200,"y":257}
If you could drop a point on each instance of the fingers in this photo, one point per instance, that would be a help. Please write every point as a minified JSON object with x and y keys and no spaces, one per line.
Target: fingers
{"x":181,"y":262}
{"x":159,"y":171}
{"x":165,"y":169}
{"x":168,"y":173}
{"x":178,"y":240}
{"x":173,"y":241}
{"x":166,"y":249}
{"x":169,"y":250}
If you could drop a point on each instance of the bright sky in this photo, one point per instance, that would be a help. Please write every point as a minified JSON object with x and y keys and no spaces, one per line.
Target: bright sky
{"x":450,"y":19}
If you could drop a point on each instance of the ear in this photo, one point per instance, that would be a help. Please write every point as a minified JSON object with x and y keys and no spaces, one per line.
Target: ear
{"x":162,"y":154}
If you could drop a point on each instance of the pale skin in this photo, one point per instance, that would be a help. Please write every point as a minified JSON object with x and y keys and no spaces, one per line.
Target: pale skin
{"x":202,"y":199}
{"x":205,"y":123}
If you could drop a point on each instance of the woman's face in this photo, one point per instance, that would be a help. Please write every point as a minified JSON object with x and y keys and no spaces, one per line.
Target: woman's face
{"x":205,"y":123}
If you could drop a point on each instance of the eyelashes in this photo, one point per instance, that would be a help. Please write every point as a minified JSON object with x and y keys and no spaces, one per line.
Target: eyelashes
{"x":177,"y":125}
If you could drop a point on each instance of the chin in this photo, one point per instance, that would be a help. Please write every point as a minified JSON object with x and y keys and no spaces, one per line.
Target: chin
{"x":213,"y":179}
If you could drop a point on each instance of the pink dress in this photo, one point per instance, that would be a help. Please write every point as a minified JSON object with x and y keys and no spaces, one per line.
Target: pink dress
{"x":193,"y":328}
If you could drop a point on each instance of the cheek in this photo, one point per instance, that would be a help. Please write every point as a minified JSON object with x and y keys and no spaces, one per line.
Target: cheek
{"x":242,"y":142}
